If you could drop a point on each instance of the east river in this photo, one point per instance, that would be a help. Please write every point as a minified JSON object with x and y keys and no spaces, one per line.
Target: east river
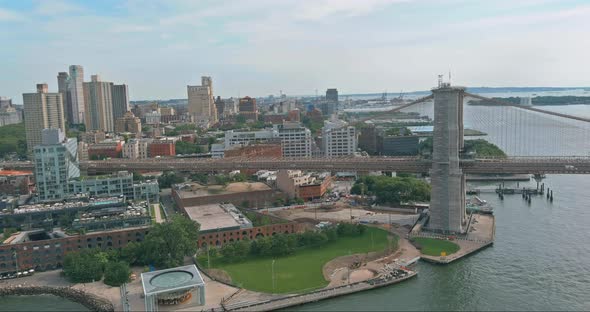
{"x":539,"y":261}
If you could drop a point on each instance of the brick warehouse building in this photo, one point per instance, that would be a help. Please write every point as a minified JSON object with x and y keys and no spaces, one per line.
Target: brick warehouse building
{"x":217,"y":239}
{"x":253,"y":194}
{"x":48,"y":254}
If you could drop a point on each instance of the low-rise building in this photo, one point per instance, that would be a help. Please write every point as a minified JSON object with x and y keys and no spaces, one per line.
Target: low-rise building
{"x":120,"y":183}
{"x":16,"y":182}
{"x":249,"y":194}
{"x":308,"y":186}
{"x":128,"y":123}
{"x":109,"y":148}
{"x":162,"y":147}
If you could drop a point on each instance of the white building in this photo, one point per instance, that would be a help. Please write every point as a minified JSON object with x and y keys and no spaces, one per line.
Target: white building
{"x":296,"y":140}
{"x":244,"y":137}
{"x":338,"y":139}
{"x":153,"y":117}
{"x":136,"y":149}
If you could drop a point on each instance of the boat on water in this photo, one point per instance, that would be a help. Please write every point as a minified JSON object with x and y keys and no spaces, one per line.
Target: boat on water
{"x":477,"y":205}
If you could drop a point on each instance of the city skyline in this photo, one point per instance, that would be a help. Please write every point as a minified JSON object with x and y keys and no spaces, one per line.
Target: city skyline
{"x":295,"y":46}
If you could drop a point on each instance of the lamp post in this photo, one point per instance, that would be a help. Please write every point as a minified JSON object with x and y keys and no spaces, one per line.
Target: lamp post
{"x":273,"y":274}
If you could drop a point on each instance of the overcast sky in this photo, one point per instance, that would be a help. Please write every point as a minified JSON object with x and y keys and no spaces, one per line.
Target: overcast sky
{"x":258,"y":47}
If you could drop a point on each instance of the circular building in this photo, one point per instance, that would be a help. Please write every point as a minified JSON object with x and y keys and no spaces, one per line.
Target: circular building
{"x":173,"y":286}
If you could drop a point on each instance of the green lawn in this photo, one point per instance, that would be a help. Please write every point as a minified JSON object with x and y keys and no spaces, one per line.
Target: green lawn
{"x":433,"y":246}
{"x":302,"y":270}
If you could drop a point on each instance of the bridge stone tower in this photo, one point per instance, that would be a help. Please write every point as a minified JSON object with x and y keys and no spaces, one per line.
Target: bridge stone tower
{"x":447,"y":203}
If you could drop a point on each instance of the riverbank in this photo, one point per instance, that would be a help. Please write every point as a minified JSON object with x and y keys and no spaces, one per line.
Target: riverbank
{"x":88,"y":300}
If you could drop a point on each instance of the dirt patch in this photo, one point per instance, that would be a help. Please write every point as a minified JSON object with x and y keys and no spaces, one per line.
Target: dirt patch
{"x":353,"y":262}
{"x":219,"y":275}
{"x":361,"y":275}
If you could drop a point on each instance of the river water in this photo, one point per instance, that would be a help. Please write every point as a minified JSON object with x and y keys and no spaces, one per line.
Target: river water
{"x":541,"y":257}
{"x":539,"y":261}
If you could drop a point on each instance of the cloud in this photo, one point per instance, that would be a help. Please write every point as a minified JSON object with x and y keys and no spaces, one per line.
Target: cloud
{"x":56,"y":7}
{"x":10,"y":16}
{"x":320,"y":9}
{"x":130,"y":28}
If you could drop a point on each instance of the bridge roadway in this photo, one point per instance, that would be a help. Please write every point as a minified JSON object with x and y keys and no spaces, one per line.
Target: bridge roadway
{"x":522,"y":165}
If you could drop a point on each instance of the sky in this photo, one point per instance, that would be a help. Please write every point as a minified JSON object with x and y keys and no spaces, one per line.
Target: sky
{"x":262,"y":47}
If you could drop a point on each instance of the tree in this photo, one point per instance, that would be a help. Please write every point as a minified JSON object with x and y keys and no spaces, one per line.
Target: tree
{"x":199,"y":177}
{"x":83,"y":267}
{"x":183,"y":147}
{"x":299,"y":200}
{"x":168,"y":178}
{"x":241,"y":119}
{"x":116,"y":273}
{"x":168,"y":243}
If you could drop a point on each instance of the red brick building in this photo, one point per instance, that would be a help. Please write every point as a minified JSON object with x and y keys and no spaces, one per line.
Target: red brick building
{"x":247,"y":108}
{"x":217,"y":239}
{"x":106,"y":149}
{"x":313,"y":191}
{"x":161,"y":148}
{"x":16,"y":182}
{"x":275,"y":119}
{"x":294,"y":115}
{"x":48,"y":254}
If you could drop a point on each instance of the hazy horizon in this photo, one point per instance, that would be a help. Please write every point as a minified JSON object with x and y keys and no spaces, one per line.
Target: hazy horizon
{"x":262,"y":47}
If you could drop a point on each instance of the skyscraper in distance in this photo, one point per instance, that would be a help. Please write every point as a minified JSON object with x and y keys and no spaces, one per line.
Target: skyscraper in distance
{"x":201,"y":103}
{"x":99,"y":105}
{"x":120,"y":100}
{"x":42,"y":110}
{"x":76,"y":90}
{"x":62,"y":87}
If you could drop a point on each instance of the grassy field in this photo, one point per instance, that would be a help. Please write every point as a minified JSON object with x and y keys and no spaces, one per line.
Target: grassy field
{"x":302,"y":270}
{"x":433,"y":246}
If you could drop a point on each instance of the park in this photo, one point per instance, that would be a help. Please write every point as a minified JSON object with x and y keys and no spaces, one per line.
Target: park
{"x":300,"y":271}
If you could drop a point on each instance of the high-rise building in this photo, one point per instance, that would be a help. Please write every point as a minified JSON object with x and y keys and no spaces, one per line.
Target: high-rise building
{"x":338,"y":138}
{"x":56,"y":163}
{"x":62,"y":87}
{"x":43,"y":110}
{"x":128,"y":123}
{"x":99,"y":105}
{"x":248,"y":108}
{"x":201,"y":103}
{"x":332,"y":95}
{"x":120,"y":100}
{"x":76,"y":90}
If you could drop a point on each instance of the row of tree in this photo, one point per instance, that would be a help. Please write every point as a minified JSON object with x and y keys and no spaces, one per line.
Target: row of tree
{"x":165,"y":246}
{"x":285,"y":244}
{"x":392,"y":190}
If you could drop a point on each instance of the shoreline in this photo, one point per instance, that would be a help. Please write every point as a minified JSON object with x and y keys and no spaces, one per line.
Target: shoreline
{"x":88,"y":300}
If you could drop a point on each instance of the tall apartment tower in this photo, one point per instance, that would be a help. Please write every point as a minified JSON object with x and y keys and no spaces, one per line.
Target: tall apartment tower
{"x":62,"y":87}
{"x":247,"y":108}
{"x":76,"y":89}
{"x":56,"y":162}
{"x":99,"y":105}
{"x":120,"y":100}
{"x":447,"y":199}
{"x":201,"y":103}
{"x":42,"y":110}
{"x":332,"y":95}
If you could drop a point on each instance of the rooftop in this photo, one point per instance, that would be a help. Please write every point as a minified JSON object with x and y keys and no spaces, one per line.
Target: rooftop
{"x":217,"y":217}
{"x":187,"y":190}
{"x":14,"y":173}
{"x":169,"y":280}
